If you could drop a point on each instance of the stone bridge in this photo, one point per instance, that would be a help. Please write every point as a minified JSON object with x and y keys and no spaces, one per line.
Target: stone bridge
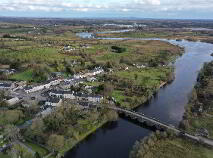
{"x":160,"y":125}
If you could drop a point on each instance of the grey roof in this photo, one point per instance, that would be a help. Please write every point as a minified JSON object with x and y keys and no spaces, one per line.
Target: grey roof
{"x":6,"y":85}
{"x":60,"y":92}
{"x":27,"y":88}
{"x":53,"y":100}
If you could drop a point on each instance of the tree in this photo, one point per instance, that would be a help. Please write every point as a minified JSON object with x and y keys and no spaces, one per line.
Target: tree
{"x":36,"y":131}
{"x":112,"y":115}
{"x":37,"y":155}
{"x":108,"y":89}
{"x":11,"y":116}
{"x":11,"y":133}
{"x":54,"y":122}
{"x":17,"y":151}
{"x":2,"y":97}
{"x":56,"y":142}
{"x":184,"y":124}
{"x":136,"y":76}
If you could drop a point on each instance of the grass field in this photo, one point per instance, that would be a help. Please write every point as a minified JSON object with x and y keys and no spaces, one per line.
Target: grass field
{"x":144,"y":83}
{"x":178,"y":148}
{"x":23,"y":76}
{"x":148,"y":77}
{"x":4,"y":155}
{"x":42,"y":152}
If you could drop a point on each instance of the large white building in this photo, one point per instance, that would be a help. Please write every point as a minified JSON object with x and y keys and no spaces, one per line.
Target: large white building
{"x":46,"y":85}
{"x":62,"y":94}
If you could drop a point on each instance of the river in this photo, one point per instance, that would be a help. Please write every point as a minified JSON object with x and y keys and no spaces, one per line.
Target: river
{"x":117,"y":139}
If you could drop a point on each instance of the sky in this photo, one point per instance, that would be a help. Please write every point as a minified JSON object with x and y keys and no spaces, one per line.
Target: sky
{"x":166,"y":9}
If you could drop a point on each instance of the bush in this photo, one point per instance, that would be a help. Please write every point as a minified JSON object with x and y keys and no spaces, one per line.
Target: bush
{"x":117,"y":49}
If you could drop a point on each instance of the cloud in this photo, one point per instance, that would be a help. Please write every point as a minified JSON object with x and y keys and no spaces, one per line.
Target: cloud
{"x":106,"y":6}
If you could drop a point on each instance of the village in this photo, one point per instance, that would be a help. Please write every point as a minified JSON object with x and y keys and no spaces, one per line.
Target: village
{"x":52,"y":92}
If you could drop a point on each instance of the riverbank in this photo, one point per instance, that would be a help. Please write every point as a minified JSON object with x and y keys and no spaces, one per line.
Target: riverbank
{"x":166,"y":145}
{"x":198,"y":116}
{"x":197,"y":120}
{"x":82,"y":137}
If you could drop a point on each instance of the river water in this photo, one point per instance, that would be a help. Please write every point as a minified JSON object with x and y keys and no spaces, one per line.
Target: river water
{"x":116,"y":140}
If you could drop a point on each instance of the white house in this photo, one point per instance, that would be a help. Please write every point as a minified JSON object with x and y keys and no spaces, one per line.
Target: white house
{"x":69,"y":48}
{"x":62,"y":94}
{"x":54,"y":102}
{"x":13,"y":101}
{"x":46,"y":85}
{"x":91,"y":79}
{"x":89,"y":98}
{"x":95,"y":99}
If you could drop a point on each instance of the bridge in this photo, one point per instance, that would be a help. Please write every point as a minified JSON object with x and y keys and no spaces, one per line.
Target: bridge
{"x":142,"y":118}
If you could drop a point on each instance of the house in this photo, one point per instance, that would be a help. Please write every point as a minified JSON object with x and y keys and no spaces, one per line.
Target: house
{"x":78,"y":76}
{"x":91,"y":79}
{"x":84,"y":46}
{"x":97,"y":70}
{"x":7,"y":86}
{"x":13,"y":101}
{"x":65,"y":85}
{"x":7,"y":71}
{"x":45,"y":112}
{"x":89,"y":98}
{"x":46,"y":85}
{"x":84,"y":104}
{"x":57,"y":74}
{"x":62,"y":94}
{"x":95,"y":99}
{"x":54,"y":102}
{"x":68,"y":48}
{"x":30,"y":89}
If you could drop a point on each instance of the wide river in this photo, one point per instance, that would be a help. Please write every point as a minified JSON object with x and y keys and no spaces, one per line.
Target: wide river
{"x":116,"y":140}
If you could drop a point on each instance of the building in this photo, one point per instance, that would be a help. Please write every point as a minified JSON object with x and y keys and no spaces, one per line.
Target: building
{"x":7,"y":71}
{"x":7,"y":86}
{"x":91,"y":79}
{"x":13,"y":101}
{"x":95,"y":99}
{"x":89,"y":98}
{"x":46,"y":85}
{"x":62,"y":94}
{"x":68,"y":48}
{"x":54,"y":102}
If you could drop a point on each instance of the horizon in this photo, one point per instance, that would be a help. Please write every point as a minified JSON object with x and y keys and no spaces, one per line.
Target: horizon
{"x":151,"y":9}
{"x":103,"y":18}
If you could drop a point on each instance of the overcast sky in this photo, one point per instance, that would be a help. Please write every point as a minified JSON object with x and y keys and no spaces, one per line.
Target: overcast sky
{"x":197,"y":9}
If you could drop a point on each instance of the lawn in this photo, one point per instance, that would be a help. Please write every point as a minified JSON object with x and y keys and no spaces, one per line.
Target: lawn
{"x":201,"y":122}
{"x":148,"y":77}
{"x":23,"y":76}
{"x":4,"y":155}
{"x":42,"y":152}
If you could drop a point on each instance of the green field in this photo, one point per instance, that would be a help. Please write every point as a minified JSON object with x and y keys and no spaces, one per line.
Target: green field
{"x":42,"y":152}
{"x":177,"y":148}
{"x":23,"y":76}
{"x":4,"y":155}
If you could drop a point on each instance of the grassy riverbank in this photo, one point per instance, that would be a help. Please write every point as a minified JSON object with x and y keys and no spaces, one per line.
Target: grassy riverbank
{"x":199,"y":112}
{"x":177,"y":148}
{"x":82,"y":137}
